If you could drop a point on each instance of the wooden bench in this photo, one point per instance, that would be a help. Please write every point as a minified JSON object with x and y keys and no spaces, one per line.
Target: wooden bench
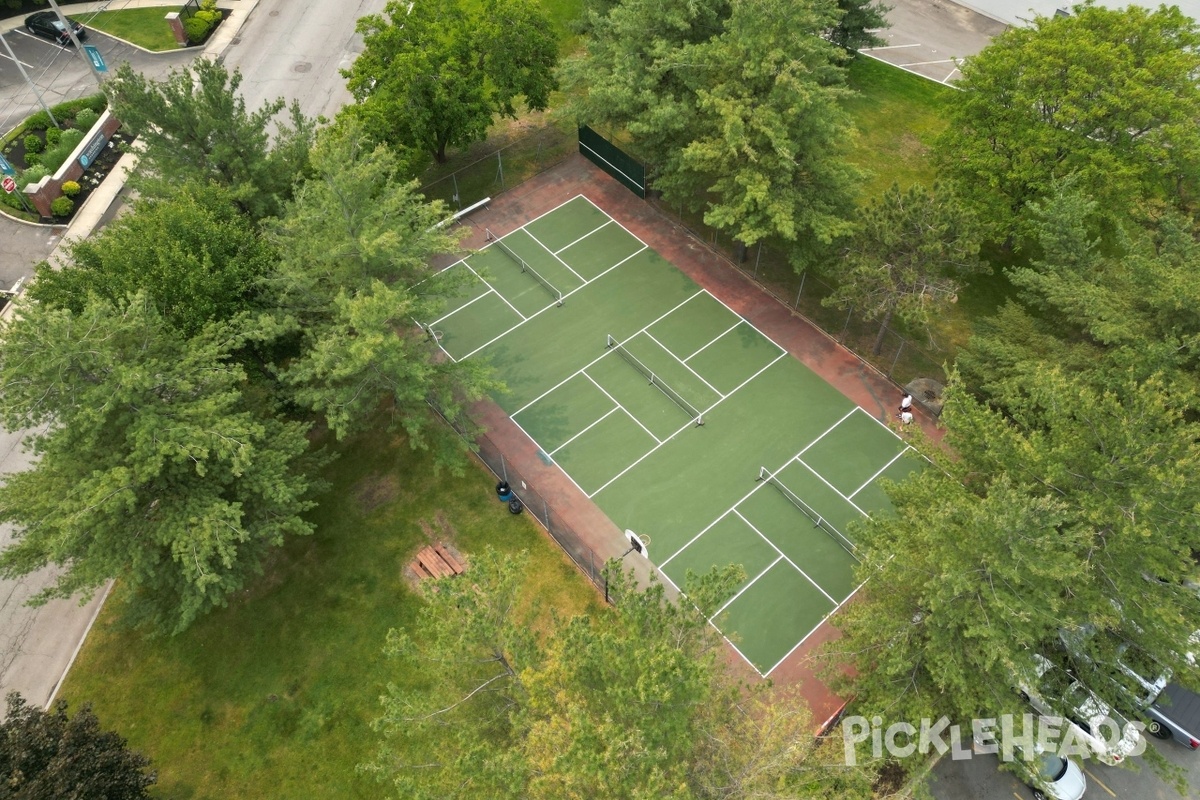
{"x":436,"y":561}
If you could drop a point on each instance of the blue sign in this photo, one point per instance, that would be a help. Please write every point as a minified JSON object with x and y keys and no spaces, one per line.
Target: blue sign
{"x":93,"y":149}
{"x":97,"y":60}
{"x":6,"y":167}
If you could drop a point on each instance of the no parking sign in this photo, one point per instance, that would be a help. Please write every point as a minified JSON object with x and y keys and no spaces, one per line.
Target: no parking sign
{"x":9,"y":184}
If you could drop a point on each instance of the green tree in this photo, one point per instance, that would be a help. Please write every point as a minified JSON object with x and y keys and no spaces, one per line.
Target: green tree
{"x":736,"y":105}
{"x":858,"y":21}
{"x":436,"y":75}
{"x":354,"y":272}
{"x":1104,"y":95}
{"x":48,"y":754}
{"x":193,"y":253}
{"x":906,"y":257}
{"x":1075,"y":508}
{"x":633,"y":702}
{"x":194,"y":126}
{"x":153,"y":467}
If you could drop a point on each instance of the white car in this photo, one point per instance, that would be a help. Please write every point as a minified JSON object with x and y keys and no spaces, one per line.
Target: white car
{"x":1109,"y":736}
{"x":1052,"y":777}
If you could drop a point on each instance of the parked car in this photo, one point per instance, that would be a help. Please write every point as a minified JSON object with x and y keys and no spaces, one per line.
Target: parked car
{"x":1050,"y":776}
{"x":1140,"y":682}
{"x":1051,"y":691}
{"x":48,"y":25}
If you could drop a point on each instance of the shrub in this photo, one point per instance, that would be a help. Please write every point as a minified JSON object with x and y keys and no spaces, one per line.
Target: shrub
{"x":53,"y":159}
{"x":211,"y":17}
{"x":53,"y":135}
{"x":62,"y":206}
{"x":34,"y":143}
{"x":70,"y":188}
{"x":32,"y":159}
{"x":196,"y":28}
{"x":32,"y":175}
{"x":71,"y":139}
{"x":208,"y":5}
{"x":85,"y":119}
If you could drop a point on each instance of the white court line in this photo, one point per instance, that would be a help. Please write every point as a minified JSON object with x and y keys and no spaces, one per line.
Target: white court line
{"x":747,"y":586}
{"x":836,"y":491}
{"x":594,"y":360}
{"x":724,"y":514}
{"x":493,"y":288}
{"x":824,"y":619}
{"x":631,"y":416}
{"x":714,"y":341}
{"x":689,"y":369}
{"x":609,"y":413}
{"x":548,"y":307}
{"x":460,"y":308}
{"x":888,"y":47}
{"x":581,"y":238}
{"x":556,"y":464}
{"x":685,"y":427}
{"x":880,"y":472}
{"x":925,"y":63}
{"x":785,"y":558}
{"x":556,"y":258}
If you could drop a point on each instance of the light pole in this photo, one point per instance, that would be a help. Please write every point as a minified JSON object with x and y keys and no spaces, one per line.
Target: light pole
{"x":32,"y":86}
{"x":75,"y":40}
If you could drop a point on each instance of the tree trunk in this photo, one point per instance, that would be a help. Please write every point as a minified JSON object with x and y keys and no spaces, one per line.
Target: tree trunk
{"x":439,"y":155}
{"x":878,"y":348}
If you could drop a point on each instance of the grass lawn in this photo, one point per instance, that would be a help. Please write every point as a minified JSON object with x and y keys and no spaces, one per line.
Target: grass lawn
{"x":273,"y":696}
{"x":898,"y":115}
{"x":145,"y":27}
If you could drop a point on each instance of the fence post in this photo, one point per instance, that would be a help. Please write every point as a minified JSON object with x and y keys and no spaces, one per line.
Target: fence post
{"x":500,"y":168}
{"x":546,"y":511}
{"x":503,"y":468}
{"x":457,"y":199}
{"x":899,"y":350}
{"x":800,"y":291}
{"x":757,"y":258}
{"x":846,"y":327}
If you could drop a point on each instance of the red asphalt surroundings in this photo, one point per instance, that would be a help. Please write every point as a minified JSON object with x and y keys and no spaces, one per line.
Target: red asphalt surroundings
{"x":860,"y":382}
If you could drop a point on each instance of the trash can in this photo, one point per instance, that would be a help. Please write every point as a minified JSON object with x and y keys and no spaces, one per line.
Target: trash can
{"x":514,"y":506}
{"x":504,"y":492}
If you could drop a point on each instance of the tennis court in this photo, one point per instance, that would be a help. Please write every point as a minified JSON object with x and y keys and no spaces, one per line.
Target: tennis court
{"x":677,"y":417}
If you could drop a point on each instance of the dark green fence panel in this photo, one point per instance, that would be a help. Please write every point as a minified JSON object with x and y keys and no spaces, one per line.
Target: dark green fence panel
{"x":616,"y":162}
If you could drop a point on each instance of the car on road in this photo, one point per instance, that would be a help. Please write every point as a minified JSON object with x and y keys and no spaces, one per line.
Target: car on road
{"x":47,"y":25}
{"x":1051,"y":691}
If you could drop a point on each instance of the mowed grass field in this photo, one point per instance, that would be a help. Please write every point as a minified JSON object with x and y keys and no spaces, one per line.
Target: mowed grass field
{"x":273,"y":696}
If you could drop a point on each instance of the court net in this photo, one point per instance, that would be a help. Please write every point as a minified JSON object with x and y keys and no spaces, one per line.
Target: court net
{"x":655,"y":381}
{"x":766,"y":475}
{"x":508,"y":251}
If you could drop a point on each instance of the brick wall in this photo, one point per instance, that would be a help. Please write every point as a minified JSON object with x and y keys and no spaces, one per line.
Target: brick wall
{"x":49,"y":189}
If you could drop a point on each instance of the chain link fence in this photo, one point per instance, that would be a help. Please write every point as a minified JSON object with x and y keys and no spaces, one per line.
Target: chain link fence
{"x":488,"y":452}
{"x":899,"y":358}
{"x":503,"y":169}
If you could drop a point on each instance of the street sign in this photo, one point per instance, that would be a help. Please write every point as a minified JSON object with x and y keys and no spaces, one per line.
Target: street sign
{"x":9,"y":184}
{"x":6,"y":167}
{"x":93,"y":54}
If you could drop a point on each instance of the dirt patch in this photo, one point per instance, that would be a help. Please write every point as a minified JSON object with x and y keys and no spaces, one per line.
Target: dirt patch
{"x":911,"y":147}
{"x":374,"y":491}
{"x":440,"y":530}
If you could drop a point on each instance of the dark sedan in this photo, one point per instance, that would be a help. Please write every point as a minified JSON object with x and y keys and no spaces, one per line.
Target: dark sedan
{"x":47,"y":25}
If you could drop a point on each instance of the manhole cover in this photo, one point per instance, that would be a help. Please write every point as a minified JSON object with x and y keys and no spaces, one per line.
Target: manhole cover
{"x":303,"y":66}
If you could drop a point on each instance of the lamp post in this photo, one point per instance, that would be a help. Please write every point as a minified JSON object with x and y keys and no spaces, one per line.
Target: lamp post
{"x":75,"y":40}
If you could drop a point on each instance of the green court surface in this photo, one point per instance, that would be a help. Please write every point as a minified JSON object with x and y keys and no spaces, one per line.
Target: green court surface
{"x":678,"y":418}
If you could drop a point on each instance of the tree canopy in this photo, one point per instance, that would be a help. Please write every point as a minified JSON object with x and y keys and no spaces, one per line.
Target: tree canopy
{"x":47,"y":754}
{"x":906,"y":257}
{"x":153,"y":466}
{"x":632,"y":703}
{"x":1107,"y":96}
{"x":194,"y":126}
{"x":355,"y":248}
{"x":193,"y":253}
{"x":436,"y":75}
{"x":734,"y":104}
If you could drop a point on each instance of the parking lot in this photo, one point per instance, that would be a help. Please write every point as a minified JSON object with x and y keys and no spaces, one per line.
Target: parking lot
{"x":928,"y":37}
